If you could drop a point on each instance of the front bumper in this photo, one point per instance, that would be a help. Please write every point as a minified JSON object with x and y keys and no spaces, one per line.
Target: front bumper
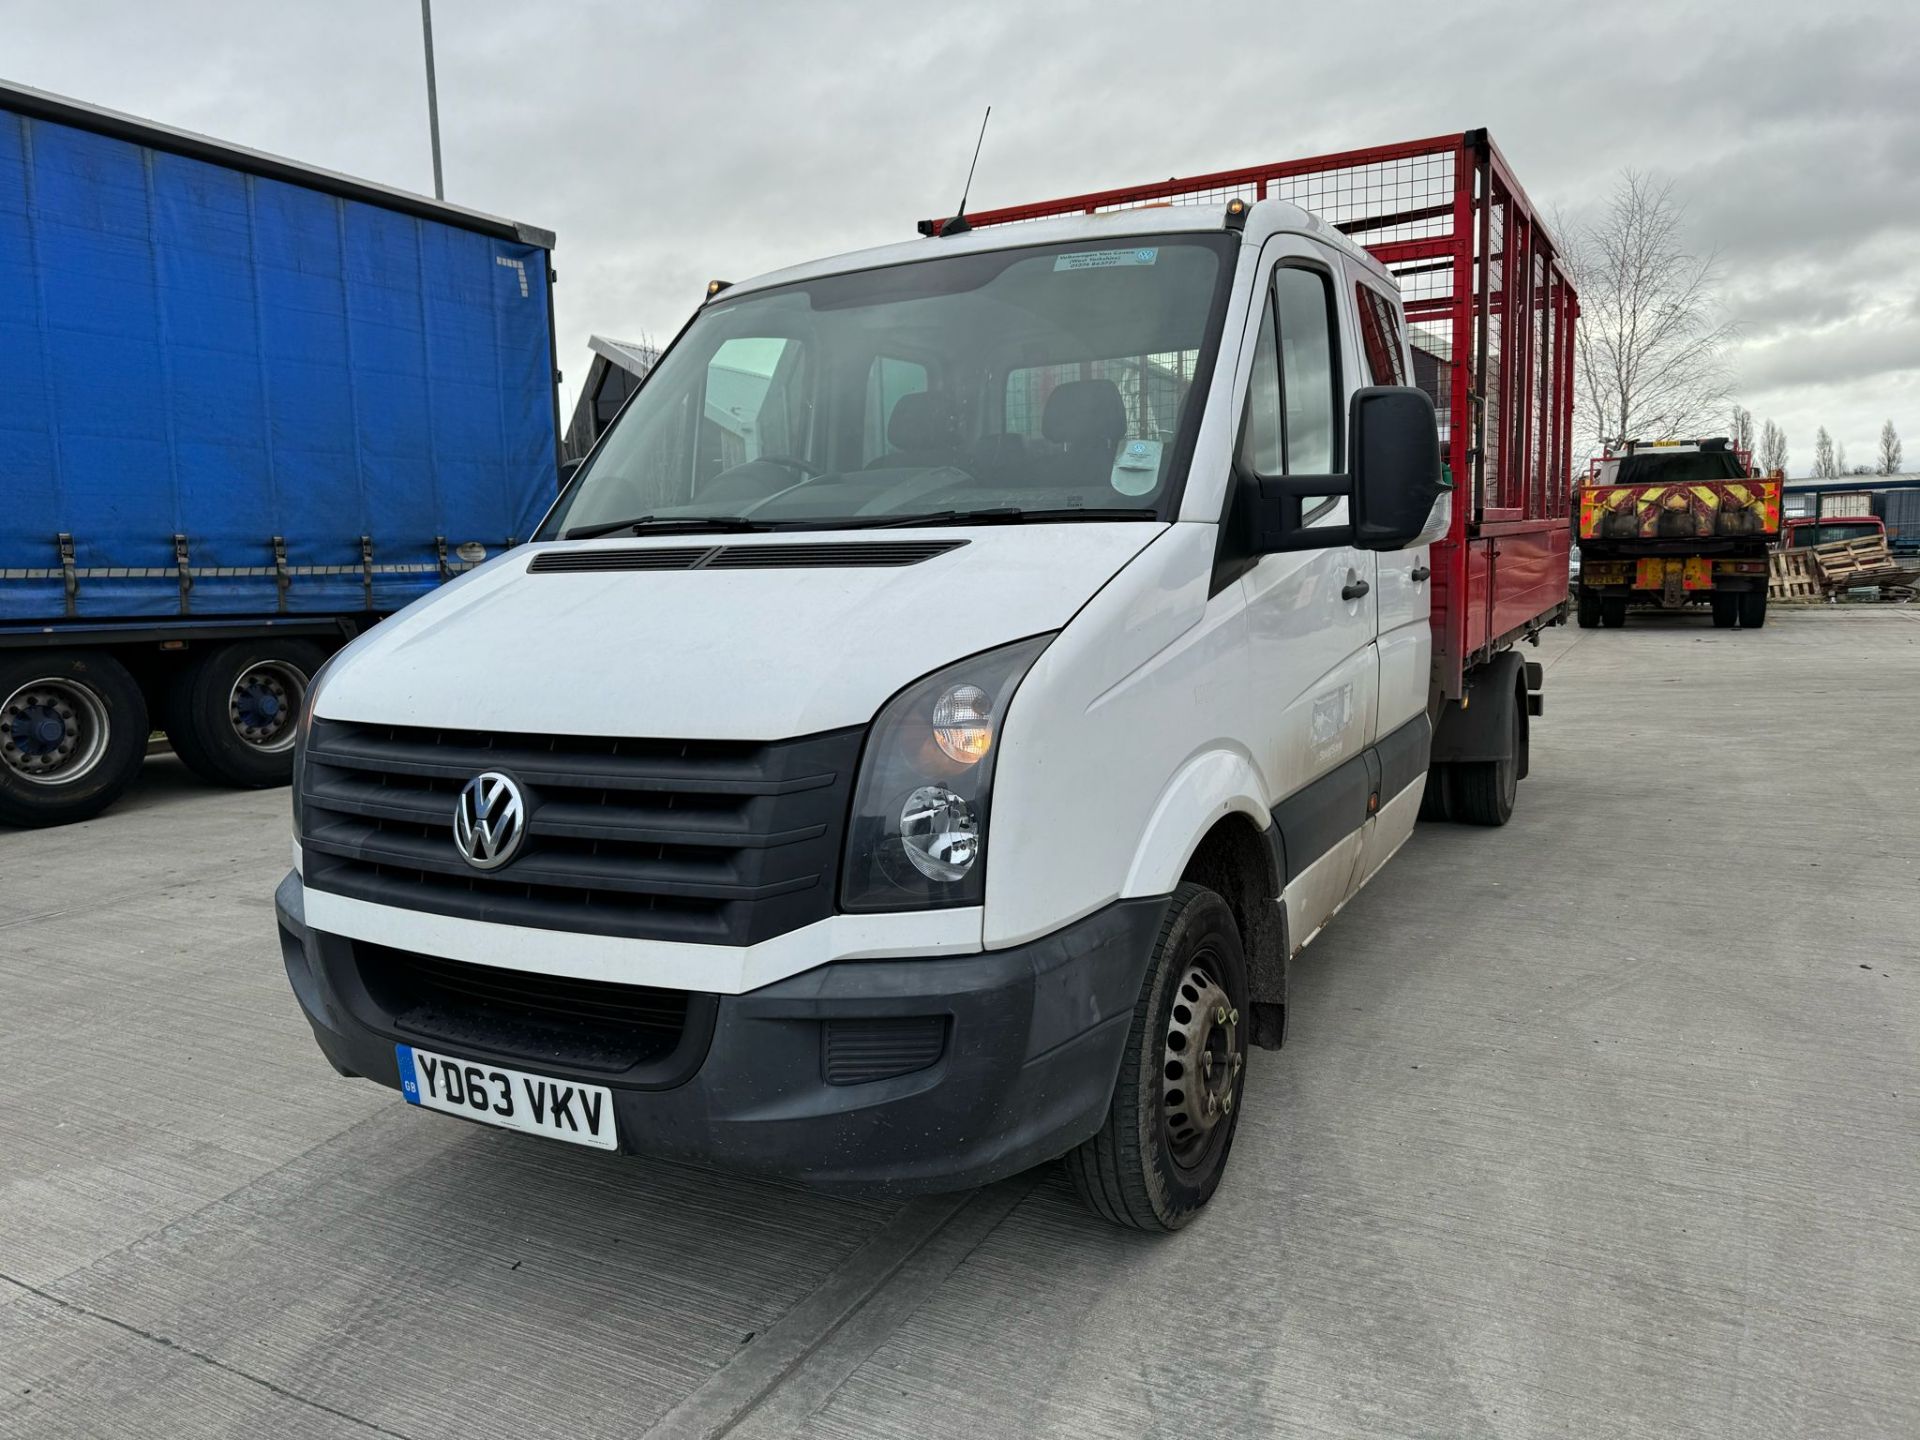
{"x":1025,"y":1070}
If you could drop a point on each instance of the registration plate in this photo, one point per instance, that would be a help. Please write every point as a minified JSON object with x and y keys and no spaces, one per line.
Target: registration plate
{"x":512,"y":1099}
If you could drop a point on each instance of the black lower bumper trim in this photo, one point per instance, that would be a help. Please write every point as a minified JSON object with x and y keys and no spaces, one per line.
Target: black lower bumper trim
{"x":1028,"y":1045}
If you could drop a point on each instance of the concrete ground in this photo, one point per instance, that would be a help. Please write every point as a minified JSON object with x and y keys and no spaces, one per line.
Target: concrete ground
{"x":1603,"y":1124}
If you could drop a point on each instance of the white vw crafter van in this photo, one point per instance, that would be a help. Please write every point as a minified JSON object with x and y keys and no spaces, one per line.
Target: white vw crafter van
{"x":918,"y":736}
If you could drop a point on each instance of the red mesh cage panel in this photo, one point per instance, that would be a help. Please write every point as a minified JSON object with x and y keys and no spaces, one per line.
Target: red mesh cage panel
{"x":1490,"y":313}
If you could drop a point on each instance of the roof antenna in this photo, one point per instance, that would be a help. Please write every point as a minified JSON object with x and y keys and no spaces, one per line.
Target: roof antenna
{"x":958,"y":224}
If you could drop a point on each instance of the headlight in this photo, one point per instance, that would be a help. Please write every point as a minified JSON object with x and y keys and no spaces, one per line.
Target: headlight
{"x":919,"y":830}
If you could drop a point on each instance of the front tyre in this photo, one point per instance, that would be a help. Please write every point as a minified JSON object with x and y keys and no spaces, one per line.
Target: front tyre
{"x":1163,"y":1148}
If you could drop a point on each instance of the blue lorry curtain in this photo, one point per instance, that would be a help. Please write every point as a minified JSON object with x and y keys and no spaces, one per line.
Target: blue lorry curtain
{"x":189,"y":350}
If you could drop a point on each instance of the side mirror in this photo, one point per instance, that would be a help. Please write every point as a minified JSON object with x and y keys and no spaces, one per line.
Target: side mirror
{"x":568,"y":469}
{"x":1393,"y":440}
{"x":1393,"y":479}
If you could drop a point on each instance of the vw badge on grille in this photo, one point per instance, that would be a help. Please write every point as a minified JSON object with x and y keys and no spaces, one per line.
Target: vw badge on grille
{"x":490,"y":822}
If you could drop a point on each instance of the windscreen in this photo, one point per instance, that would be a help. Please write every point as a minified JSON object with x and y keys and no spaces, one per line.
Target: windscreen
{"x":1050,"y":381}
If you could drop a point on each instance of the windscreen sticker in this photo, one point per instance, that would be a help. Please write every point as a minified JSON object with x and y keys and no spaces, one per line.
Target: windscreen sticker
{"x":1137,"y":470}
{"x":1106,"y":259}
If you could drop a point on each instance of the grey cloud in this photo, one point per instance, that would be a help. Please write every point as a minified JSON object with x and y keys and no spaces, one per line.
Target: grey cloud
{"x":670,"y":142}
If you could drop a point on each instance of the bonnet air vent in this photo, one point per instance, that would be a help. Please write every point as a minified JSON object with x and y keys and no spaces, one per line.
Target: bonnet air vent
{"x":560,"y":562}
{"x":831,"y":555}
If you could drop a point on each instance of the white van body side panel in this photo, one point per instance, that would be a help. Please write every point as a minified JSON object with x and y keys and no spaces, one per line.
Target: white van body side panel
{"x":708,"y":654}
{"x":1387,"y":831}
{"x":1322,"y":888}
{"x":1150,"y":677}
{"x":1206,"y":790}
{"x":669,"y":964}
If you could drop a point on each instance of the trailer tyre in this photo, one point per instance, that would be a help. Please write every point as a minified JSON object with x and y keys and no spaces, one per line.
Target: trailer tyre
{"x":1613,"y":611}
{"x":1589,"y":608}
{"x":1753,"y":609}
{"x":231,"y":714}
{"x":1726,"y":609}
{"x":1161,"y":1152}
{"x":1485,"y":790}
{"x":73,"y":734}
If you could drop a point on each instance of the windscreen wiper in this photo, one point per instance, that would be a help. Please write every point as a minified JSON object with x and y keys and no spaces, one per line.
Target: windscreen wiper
{"x":1014,"y":515}
{"x":667,"y":524}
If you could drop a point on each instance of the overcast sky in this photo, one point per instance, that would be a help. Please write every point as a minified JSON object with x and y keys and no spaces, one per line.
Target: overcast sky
{"x":667,"y":143}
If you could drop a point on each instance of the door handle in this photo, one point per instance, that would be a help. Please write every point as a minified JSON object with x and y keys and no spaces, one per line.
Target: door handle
{"x":1354,"y":589}
{"x":1420,"y":572}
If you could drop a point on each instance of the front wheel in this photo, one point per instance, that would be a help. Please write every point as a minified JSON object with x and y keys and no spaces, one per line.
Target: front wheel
{"x":1163,"y":1148}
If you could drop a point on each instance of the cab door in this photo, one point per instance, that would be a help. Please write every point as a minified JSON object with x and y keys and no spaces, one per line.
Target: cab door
{"x":1313,"y":666}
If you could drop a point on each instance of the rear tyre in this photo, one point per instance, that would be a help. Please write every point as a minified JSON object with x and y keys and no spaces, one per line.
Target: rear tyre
{"x":1484,"y":791}
{"x":1753,"y":609}
{"x":1163,"y":1148}
{"x":1436,"y":801}
{"x":1613,"y":611}
{"x":73,"y":734}
{"x":1589,"y":608}
{"x":231,"y":714}
{"x":1726,"y":609}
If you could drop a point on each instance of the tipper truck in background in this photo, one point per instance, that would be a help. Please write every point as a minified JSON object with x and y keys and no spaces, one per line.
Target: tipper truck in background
{"x":1675,"y":523}
{"x":247,"y":408}
{"x":1008,"y":648}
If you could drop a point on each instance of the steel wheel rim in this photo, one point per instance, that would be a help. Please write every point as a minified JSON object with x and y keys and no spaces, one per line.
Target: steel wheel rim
{"x":264,"y":703}
{"x":1200,"y":1063}
{"x":53,"y":731}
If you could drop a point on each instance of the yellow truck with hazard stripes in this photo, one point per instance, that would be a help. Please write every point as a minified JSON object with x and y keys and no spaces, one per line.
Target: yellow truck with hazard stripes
{"x":1673,"y":523}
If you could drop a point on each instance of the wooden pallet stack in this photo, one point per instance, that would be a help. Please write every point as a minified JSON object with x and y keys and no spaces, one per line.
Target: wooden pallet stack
{"x":1791,"y":576}
{"x":1822,"y":571}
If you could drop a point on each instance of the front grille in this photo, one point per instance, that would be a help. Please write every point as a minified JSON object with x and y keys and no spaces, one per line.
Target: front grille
{"x":588,"y":1024}
{"x":709,"y":842}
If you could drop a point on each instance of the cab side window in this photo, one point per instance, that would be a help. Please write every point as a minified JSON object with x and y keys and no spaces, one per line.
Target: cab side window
{"x":1292,"y":424}
{"x":1380,"y":337}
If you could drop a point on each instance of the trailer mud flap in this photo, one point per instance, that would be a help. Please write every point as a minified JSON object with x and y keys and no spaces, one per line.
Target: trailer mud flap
{"x":1478,"y":726}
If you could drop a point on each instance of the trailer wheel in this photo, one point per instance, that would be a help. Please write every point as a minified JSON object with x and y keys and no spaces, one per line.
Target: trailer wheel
{"x":1726,"y":608}
{"x":1161,"y":1153}
{"x":1613,"y":611}
{"x":1589,"y":607}
{"x":1484,"y":790}
{"x":231,"y":714}
{"x":73,"y":733}
{"x":1753,"y":609}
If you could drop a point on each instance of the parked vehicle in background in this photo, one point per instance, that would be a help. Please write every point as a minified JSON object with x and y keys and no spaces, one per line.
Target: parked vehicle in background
{"x":1675,"y":523}
{"x":1009,"y":647}
{"x":247,"y":407}
{"x":1805,"y":534}
{"x":1899,"y":511}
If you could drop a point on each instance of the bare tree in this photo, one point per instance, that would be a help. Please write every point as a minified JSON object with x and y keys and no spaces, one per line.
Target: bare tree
{"x":1740,"y":431}
{"x":1889,"y":450}
{"x":1840,"y":458}
{"x":1650,"y":350}
{"x":1823,"y":464}
{"x":1773,"y":449}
